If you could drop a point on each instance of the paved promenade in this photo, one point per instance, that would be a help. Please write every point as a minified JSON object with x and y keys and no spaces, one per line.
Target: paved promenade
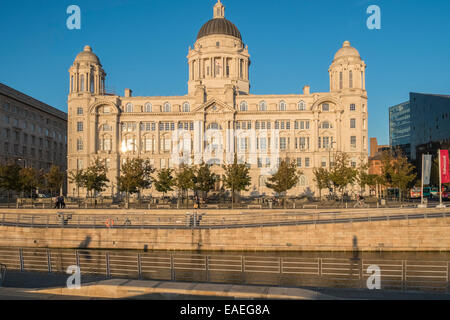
{"x":32,"y":286}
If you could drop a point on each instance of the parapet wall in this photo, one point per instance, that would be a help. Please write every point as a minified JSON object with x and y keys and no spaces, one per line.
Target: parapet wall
{"x":432,"y":234}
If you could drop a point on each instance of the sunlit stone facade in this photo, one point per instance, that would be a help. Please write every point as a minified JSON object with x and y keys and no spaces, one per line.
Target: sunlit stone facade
{"x":219,"y":117}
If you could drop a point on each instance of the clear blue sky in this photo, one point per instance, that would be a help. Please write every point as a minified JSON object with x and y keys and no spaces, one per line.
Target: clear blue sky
{"x":143,"y":46}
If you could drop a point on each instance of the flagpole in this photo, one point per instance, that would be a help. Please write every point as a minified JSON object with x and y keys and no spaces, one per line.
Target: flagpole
{"x":421,"y":190}
{"x":440,"y":178}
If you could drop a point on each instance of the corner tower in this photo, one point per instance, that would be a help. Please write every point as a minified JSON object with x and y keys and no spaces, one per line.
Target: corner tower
{"x":348,"y":70}
{"x":219,"y":60}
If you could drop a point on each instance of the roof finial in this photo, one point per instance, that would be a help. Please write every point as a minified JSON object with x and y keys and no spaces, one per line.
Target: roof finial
{"x":219,"y":10}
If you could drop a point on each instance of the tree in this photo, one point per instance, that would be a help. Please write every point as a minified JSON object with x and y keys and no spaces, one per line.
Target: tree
{"x":236,"y":178}
{"x":284,"y":179}
{"x":94,"y":177}
{"x":135,"y":176}
{"x":30,"y":179}
{"x":402,"y":173}
{"x":322,"y":179}
{"x":54,"y":178}
{"x":164,"y":181}
{"x":342,"y":174}
{"x":205,"y":179}
{"x":397,"y":171}
{"x":77,"y":177}
{"x":363,"y":177}
{"x":185,"y":180}
{"x":10,"y":178}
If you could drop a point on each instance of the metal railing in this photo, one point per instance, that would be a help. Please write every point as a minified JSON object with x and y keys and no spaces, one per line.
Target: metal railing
{"x":203,"y":220}
{"x":239,"y":269}
{"x":2,"y":273}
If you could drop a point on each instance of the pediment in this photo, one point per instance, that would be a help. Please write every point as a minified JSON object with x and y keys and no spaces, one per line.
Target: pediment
{"x":214,"y":106}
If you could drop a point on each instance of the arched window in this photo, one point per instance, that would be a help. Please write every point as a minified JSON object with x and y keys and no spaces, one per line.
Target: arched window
{"x":302,"y":105}
{"x":341,"y":80}
{"x":244,"y":106}
{"x":186,"y":107}
{"x":82,"y":82}
{"x":166,"y":107}
{"x":148,"y":107}
{"x":350,"y":79}
{"x":262,"y":106}
{"x":129,"y":108}
{"x":303,"y":181}
{"x":71,"y":84}
{"x":282,"y":106}
{"x":92,"y":83}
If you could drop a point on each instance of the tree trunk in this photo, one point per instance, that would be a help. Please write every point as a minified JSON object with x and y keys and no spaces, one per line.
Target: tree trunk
{"x":232,"y":198}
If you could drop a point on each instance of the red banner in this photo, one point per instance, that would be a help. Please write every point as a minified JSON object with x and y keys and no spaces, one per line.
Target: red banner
{"x":445,"y":174}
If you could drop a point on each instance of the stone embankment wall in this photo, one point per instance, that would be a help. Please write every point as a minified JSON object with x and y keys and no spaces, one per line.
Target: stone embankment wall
{"x":404,"y":235}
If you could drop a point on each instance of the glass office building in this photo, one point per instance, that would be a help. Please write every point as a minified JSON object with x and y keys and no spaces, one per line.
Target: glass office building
{"x":400,"y":127}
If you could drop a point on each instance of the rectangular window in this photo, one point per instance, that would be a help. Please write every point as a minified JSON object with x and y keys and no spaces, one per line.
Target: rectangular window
{"x":320,"y":140}
{"x":79,"y":126}
{"x":167,"y":144}
{"x":352,"y":107}
{"x":148,"y":145}
{"x":307,"y":125}
{"x":282,"y":125}
{"x":302,"y":143}
{"x":283,"y":143}
{"x":267,"y":162}
{"x":307,"y":162}
{"x":277,"y":125}
{"x":299,"y":162}
{"x":352,"y":123}
{"x":79,"y":111}
{"x":353,"y":141}
{"x":288,"y":125}
{"x":324,"y":162}
{"x":296,"y":125}
{"x":268,"y":125}
{"x":263,"y":125}
{"x":259,"y":163}
{"x":326,"y":142}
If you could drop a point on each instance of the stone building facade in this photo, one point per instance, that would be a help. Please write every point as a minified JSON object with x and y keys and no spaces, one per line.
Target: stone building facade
{"x":219,"y":117}
{"x":33,"y":134}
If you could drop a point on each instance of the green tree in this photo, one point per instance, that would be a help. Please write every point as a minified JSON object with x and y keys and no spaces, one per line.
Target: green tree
{"x":135,"y":176}
{"x":342,"y":174}
{"x":185,"y":181}
{"x":322,"y":179}
{"x":397,"y":172}
{"x":30,"y":179}
{"x":55,"y":179}
{"x":363,"y":177}
{"x":164,"y":181}
{"x":402,"y":173}
{"x":10,"y":178}
{"x":284,"y":179}
{"x":205,"y":179}
{"x":94,"y":178}
{"x":236,"y":178}
{"x":77,"y":177}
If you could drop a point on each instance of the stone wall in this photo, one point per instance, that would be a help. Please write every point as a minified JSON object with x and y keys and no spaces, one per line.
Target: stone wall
{"x":405,"y":235}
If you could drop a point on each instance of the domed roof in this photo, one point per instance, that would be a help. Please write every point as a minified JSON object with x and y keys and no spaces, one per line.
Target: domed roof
{"x":347,"y":51}
{"x":219,"y":26}
{"x":87,"y":56}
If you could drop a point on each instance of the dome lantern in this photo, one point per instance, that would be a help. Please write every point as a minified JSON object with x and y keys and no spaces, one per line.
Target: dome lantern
{"x":86,"y":73}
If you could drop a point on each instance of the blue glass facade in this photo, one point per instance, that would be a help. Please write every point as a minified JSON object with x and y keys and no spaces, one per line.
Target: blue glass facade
{"x":400,"y":127}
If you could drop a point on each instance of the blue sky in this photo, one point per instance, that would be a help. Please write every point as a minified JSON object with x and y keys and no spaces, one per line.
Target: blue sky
{"x":143,"y":46}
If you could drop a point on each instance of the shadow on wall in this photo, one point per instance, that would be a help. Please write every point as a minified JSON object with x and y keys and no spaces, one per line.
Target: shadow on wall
{"x":85,"y":243}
